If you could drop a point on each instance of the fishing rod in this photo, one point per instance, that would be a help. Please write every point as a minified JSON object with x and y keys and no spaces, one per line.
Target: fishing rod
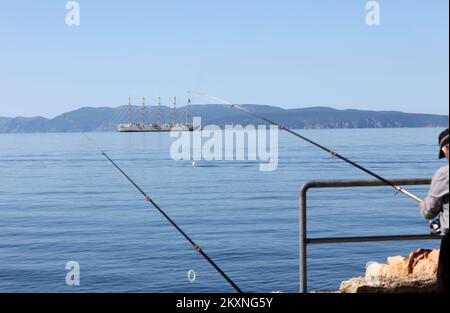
{"x":333,"y":153}
{"x":157,"y":207}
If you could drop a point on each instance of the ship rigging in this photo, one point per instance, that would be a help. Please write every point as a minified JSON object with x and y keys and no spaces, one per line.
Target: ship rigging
{"x":157,"y":126}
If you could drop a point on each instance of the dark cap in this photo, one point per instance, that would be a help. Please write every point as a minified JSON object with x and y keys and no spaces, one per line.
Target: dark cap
{"x":443,"y":140}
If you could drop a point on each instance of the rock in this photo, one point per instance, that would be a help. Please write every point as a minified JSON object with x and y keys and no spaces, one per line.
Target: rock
{"x":423,"y":263}
{"x":397,"y":267}
{"x":352,"y":285}
{"x":375,"y":274}
{"x":417,"y":274}
{"x":402,"y":285}
{"x":434,"y":256}
{"x":426,"y":268}
{"x":415,"y":257}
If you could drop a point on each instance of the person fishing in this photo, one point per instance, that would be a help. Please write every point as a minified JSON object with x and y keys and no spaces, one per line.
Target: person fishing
{"x":437,"y":204}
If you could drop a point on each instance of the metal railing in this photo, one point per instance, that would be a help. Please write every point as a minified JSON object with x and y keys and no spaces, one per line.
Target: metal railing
{"x":304,"y":240}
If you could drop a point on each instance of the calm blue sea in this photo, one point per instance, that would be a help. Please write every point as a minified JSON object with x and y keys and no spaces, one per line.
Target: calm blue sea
{"x":61,"y":201}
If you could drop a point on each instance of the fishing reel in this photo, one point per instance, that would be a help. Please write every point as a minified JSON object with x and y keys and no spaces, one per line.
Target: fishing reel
{"x":435,"y":227}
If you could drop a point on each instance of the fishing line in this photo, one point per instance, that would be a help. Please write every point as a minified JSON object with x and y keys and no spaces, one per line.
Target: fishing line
{"x":163,"y":213}
{"x":117,"y":117}
{"x":331,"y":152}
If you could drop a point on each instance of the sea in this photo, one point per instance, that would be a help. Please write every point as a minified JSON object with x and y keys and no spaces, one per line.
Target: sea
{"x":61,"y":201}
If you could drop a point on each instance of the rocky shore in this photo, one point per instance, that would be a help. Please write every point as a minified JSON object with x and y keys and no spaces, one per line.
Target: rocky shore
{"x":415,"y":274}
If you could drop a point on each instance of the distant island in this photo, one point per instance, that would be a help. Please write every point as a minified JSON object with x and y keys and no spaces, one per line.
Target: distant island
{"x":105,"y":119}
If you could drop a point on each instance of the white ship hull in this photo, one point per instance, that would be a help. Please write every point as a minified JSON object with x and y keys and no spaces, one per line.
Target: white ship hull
{"x":153,"y":128}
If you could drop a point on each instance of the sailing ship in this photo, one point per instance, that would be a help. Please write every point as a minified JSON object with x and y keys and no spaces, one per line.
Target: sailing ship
{"x":157,"y":126}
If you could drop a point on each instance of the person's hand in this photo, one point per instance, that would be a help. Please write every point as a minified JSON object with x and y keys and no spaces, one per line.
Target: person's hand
{"x":422,"y":204}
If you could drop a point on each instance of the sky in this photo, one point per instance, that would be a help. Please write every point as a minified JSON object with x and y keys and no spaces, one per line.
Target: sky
{"x":288,"y":53}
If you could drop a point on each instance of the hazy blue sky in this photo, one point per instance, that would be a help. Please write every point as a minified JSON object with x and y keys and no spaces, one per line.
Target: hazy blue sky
{"x":290,"y":53}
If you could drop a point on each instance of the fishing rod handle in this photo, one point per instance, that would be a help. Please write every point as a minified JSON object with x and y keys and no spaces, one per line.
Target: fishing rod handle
{"x":409,"y":194}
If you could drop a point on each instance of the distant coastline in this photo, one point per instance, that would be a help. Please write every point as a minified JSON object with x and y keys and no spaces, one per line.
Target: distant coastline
{"x":90,"y":119}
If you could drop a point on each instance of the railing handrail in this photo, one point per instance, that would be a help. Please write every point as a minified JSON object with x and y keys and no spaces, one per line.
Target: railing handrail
{"x":362,"y":183}
{"x":304,"y":240}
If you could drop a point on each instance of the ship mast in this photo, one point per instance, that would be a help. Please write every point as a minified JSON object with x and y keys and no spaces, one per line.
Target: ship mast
{"x":130,"y":112}
{"x":188,"y":112}
{"x":143,"y":113}
{"x":174,"y":110}
{"x":158,"y":113}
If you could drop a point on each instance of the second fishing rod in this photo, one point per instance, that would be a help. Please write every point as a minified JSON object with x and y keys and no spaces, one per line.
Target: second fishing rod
{"x":331,"y":152}
{"x":163,"y":213}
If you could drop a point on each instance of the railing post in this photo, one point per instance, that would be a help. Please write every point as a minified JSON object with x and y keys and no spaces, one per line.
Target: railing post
{"x":304,"y":240}
{"x":303,"y":243}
